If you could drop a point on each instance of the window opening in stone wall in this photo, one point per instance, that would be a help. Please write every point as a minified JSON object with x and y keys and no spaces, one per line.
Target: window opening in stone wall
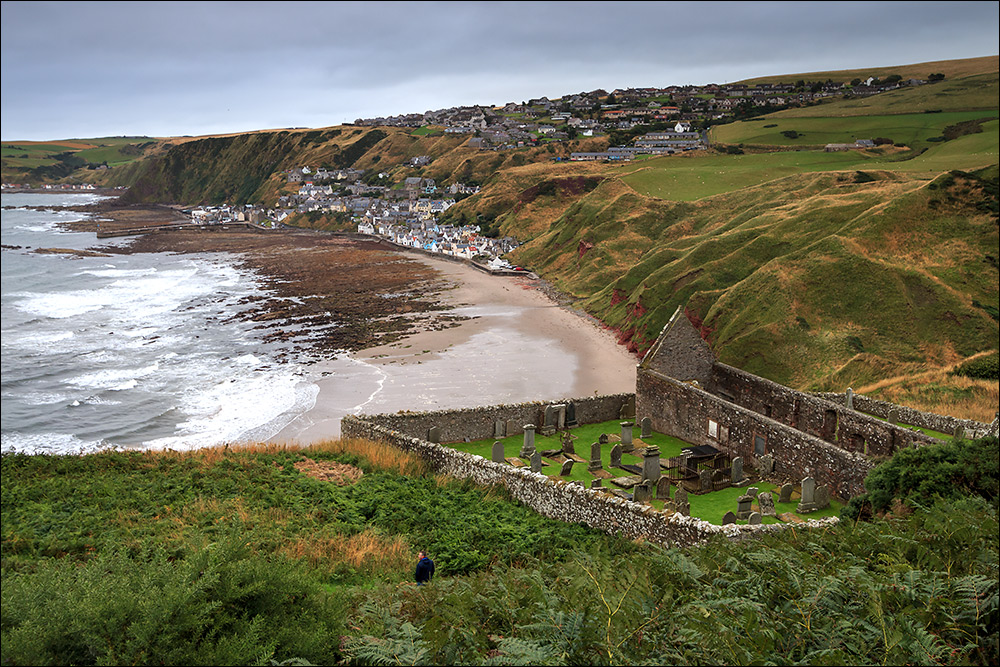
{"x":713,"y":428}
{"x":759,"y":444}
{"x":830,"y":425}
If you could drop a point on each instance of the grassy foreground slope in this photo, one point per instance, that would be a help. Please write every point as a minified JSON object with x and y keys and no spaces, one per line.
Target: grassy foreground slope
{"x":269,"y":554}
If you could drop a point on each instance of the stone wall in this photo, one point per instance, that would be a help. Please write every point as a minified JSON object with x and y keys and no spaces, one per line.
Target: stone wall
{"x":848,"y":429}
{"x":940,"y":423}
{"x":556,"y":499}
{"x":478,"y":423}
{"x":692,"y":414}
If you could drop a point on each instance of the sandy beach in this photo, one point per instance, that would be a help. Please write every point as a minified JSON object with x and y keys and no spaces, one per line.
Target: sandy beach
{"x":517,"y":345}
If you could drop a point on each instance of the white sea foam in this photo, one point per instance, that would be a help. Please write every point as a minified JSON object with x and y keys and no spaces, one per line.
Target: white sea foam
{"x":115,"y":379}
{"x":47,"y":443}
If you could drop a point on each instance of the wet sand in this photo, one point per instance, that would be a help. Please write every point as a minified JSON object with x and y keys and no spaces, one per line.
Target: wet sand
{"x":518,"y":345}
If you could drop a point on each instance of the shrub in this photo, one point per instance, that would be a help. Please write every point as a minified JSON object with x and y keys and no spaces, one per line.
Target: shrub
{"x":983,"y":368}
{"x":221,"y":606}
{"x":915,"y":475}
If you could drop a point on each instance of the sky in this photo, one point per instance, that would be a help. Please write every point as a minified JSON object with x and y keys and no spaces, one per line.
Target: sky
{"x":95,"y":69}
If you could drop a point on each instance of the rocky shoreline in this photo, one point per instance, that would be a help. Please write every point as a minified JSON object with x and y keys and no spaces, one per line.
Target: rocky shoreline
{"x":324,"y":294}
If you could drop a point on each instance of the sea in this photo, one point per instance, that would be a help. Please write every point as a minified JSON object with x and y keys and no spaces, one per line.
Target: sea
{"x":137,"y":350}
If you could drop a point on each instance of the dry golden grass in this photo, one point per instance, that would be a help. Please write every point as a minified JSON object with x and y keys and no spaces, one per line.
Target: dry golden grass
{"x":367,"y":551}
{"x":380,"y":455}
{"x":937,"y":390}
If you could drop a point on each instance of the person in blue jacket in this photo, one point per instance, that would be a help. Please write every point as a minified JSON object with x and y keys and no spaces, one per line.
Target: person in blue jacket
{"x":425,"y":569}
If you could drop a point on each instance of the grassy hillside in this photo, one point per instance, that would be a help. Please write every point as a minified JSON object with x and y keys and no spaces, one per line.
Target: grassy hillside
{"x":952,"y":69}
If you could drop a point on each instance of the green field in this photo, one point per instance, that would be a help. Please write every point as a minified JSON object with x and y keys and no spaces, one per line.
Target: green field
{"x":691,"y":178}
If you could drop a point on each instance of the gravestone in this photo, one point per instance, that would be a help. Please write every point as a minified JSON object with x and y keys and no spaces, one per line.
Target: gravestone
{"x":705,"y":479}
{"x":850,"y":399}
{"x":822,"y":497}
{"x":498,"y":455}
{"x":596,"y":484}
{"x":548,"y":421}
{"x":651,"y":464}
{"x":567,"y":443}
{"x":808,"y":502}
{"x":528,"y":446}
{"x":642,"y":493}
{"x":627,"y":437}
{"x":754,"y":519}
{"x":728,"y":518}
{"x":737,"y":471}
{"x":893,"y":416}
{"x":681,"y":501}
{"x":536,"y":462}
{"x":663,"y":488}
{"x":959,"y":433}
{"x":752,"y":491}
{"x":786,"y":493}
{"x":571,"y":415}
{"x":567,"y":468}
{"x":499,"y":429}
{"x":646,"y":424}
{"x":434,"y":434}
{"x":766,"y":464}
{"x":595,"y":457}
{"x":604,"y":439}
{"x":744,"y":505}
{"x":512,"y":427}
{"x":765,"y":501}
{"x":616,"y":456}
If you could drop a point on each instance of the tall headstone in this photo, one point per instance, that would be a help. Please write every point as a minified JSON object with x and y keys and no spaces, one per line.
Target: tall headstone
{"x":646,"y":426}
{"x":744,"y":506}
{"x":893,"y":416}
{"x":499,"y":429}
{"x":765,"y":501}
{"x":705,"y":479}
{"x":663,"y":488}
{"x":571,"y":415}
{"x":548,"y":420}
{"x":536,"y":462}
{"x":786,"y":493}
{"x":497,"y":454}
{"x":434,"y":434}
{"x":651,"y":464}
{"x":822,"y":497}
{"x":512,"y":427}
{"x":567,"y":468}
{"x":737,"y":470}
{"x":595,"y":457}
{"x":642,"y":493}
{"x":681,"y":501}
{"x":766,"y":464}
{"x":850,"y":399}
{"x":754,"y":519}
{"x":959,"y":433}
{"x":728,"y":518}
{"x":528,"y":446}
{"x":808,"y":502}
{"x":616,"y":456}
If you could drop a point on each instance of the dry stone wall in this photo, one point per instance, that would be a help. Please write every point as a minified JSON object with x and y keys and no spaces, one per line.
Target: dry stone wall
{"x":940,"y":423}
{"x":692,"y":414}
{"x":479,"y":423}
{"x":558,"y":500}
{"x":848,"y":429}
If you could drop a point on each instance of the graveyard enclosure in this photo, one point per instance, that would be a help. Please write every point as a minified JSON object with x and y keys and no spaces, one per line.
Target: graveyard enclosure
{"x":690,"y":395}
{"x":554,"y":499}
{"x":901,"y":413}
